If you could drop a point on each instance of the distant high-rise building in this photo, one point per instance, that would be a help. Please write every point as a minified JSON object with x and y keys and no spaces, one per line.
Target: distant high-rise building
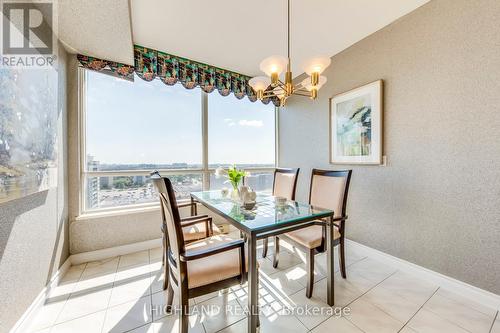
{"x":139,"y":180}
{"x":92,"y":183}
{"x":105,"y":182}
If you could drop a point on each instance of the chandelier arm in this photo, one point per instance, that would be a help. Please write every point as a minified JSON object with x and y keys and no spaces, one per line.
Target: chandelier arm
{"x":302,"y":93}
{"x":280,"y":85}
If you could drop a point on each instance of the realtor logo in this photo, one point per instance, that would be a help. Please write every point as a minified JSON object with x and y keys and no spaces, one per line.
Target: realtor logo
{"x":27,"y":34}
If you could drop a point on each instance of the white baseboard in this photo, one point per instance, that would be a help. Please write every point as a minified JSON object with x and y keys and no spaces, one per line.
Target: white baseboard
{"x":81,"y":258}
{"x":40,"y":298}
{"x":466,"y":290}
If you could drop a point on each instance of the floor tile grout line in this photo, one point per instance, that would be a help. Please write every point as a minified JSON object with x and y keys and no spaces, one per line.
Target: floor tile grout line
{"x":454,"y":300}
{"x":420,"y":308}
{"x":86,"y":314}
{"x":67,"y":298}
{"x":349,"y":302}
{"x":111,"y":294}
{"x":447,"y":320}
{"x":360,"y":297}
{"x":322,"y":277}
{"x":130,"y":330}
{"x":225,"y":326}
{"x":370,"y":289}
{"x":494,"y":320}
{"x":406,"y":323}
{"x":150,"y":286}
{"x":359,"y":328}
{"x":361,"y":259}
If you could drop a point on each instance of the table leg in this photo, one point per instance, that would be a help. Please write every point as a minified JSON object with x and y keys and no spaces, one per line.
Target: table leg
{"x":253,"y":286}
{"x":329,"y":261}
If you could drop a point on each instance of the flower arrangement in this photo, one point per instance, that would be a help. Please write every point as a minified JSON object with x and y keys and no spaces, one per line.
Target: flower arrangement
{"x":233,"y":175}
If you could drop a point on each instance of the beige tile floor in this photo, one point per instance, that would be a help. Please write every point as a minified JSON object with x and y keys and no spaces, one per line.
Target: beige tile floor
{"x":124,"y":294}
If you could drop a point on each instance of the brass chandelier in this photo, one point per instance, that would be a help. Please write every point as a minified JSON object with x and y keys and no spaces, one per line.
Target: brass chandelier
{"x":271,"y":84}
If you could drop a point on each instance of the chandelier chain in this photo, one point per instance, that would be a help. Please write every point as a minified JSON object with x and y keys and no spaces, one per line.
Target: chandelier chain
{"x":288,"y":30}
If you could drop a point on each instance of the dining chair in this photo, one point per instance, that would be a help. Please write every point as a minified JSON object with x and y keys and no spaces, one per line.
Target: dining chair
{"x":284,"y":185}
{"x":193,"y":228}
{"x":199,"y":267}
{"x":328,"y":190}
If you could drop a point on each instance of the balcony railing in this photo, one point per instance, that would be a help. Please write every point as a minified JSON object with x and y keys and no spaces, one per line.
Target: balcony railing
{"x":118,"y":190}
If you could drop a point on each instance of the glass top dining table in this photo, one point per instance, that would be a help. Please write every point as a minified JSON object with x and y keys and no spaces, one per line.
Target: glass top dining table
{"x":268,"y":218}
{"x":266,"y":215}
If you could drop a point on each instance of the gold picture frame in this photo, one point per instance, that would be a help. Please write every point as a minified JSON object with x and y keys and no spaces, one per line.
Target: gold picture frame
{"x":356,"y":125}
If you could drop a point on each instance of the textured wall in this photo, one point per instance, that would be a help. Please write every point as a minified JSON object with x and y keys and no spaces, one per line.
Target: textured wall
{"x":95,"y":233}
{"x":34,"y":229}
{"x":437,"y":203}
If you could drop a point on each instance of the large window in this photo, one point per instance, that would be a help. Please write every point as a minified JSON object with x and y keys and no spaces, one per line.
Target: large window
{"x":132,"y":128}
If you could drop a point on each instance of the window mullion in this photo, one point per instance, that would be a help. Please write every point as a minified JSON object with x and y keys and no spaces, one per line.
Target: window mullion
{"x":204,"y":136}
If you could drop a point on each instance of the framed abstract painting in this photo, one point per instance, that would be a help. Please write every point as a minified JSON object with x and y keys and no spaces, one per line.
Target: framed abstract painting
{"x":356,"y":125}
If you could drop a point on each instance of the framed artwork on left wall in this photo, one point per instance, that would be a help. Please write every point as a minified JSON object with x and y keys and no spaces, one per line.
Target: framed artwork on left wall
{"x":356,"y":125}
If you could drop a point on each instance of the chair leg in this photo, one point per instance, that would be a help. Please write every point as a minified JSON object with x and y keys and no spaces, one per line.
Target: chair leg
{"x":184,"y":311}
{"x":164,"y":247}
{"x":225,"y":296}
{"x":258,"y":291}
{"x":163,"y":257}
{"x":276,"y":252}
{"x":166,"y":270}
{"x":310,"y":273}
{"x":342,"y":258}
{"x":264,"y":248}
{"x":170,"y":298}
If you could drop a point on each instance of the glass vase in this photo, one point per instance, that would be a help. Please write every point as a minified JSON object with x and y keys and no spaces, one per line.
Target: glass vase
{"x":235,"y":194}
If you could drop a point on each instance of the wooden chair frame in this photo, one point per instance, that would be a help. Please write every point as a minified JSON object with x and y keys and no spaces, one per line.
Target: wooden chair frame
{"x":286,"y":171}
{"x":186,"y":222}
{"x":320,"y":249}
{"x":177,"y":260}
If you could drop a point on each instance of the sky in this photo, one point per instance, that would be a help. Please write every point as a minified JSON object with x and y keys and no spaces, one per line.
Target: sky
{"x":150,"y":122}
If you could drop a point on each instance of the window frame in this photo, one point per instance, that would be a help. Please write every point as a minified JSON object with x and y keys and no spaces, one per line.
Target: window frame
{"x":205,"y":171}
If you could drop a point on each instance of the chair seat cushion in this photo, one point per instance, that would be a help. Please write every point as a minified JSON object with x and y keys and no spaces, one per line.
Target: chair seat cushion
{"x":197,"y":231}
{"x":310,"y":237}
{"x":213,"y":268}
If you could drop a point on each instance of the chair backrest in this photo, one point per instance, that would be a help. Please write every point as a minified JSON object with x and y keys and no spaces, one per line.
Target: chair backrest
{"x":170,"y":214}
{"x":285,"y":182}
{"x":329,"y":190}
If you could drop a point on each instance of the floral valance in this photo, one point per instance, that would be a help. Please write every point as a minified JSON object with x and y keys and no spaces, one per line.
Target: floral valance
{"x":109,"y":67}
{"x":150,"y":64}
{"x":170,"y":69}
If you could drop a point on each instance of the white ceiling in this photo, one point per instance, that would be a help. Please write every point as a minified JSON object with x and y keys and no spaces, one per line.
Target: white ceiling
{"x":97,"y":28}
{"x":237,"y":34}
{"x":232,"y":34}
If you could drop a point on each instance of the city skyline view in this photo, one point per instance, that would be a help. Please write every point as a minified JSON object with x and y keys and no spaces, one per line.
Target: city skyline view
{"x":123,"y":190}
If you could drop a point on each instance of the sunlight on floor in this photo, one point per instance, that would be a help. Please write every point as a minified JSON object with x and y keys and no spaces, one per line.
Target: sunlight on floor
{"x":124,"y":294}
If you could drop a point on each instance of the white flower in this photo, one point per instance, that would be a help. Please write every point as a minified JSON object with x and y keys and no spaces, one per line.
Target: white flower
{"x":219,"y":172}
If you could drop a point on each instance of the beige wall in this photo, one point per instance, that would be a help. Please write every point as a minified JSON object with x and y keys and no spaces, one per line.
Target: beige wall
{"x":34,"y":229}
{"x":437,"y":203}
